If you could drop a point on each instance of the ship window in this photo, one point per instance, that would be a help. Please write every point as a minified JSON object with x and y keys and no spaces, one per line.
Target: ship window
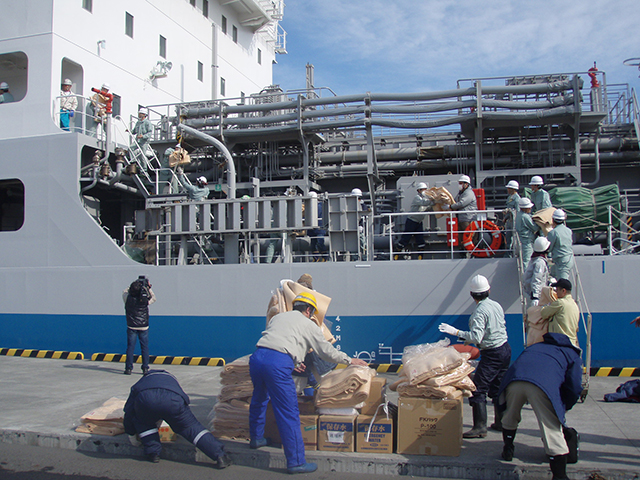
{"x":223,"y":87}
{"x":259,"y":57}
{"x":200,"y":71}
{"x":11,"y":205}
{"x":235,"y":34}
{"x":128,"y":24}
{"x":205,"y":8}
{"x":224,"y":24}
{"x":87,"y":5}
{"x":163,"y":47}
{"x":14,"y":69}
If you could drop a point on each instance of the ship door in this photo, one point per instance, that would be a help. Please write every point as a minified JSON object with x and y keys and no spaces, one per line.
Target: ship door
{"x":74,"y":72}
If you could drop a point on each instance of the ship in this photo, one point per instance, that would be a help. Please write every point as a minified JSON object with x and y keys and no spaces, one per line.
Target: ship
{"x":300,"y":181}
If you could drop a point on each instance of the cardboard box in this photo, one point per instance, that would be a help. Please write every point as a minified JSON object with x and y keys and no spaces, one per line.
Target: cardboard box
{"x":336,"y":433}
{"x":309,"y":428}
{"x":429,"y":426}
{"x":376,"y":396}
{"x":166,"y":434}
{"x":380,"y":434}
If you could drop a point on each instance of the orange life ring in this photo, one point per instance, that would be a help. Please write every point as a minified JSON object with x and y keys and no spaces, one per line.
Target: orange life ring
{"x":482,"y":226}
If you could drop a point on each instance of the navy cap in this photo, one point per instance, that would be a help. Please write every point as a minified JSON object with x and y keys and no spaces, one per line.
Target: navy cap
{"x":562,"y":283}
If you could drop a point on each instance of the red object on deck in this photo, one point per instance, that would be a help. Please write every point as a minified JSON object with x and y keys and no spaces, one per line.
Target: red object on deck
{"x":482,"y":205}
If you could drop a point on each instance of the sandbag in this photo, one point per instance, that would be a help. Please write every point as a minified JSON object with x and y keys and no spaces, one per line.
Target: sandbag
{"x":179,"y":157}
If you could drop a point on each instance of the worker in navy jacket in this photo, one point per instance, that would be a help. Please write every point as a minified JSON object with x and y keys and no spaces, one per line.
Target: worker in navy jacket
{"x":548,"y":376}
{"x":158,"y":396}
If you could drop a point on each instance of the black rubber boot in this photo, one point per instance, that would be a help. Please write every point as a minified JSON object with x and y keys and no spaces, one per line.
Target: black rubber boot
{"x":497,"y":419}
{"x":479,"y":429}
{"x":508,"y":449}
{"x":558,"y":464}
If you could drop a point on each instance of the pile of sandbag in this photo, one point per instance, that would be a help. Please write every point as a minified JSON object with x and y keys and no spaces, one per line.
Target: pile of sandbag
{"x":107,"y":419}
{"x":345,"y":388}
{"x":231,"y":412}
{"x":434,"y":370}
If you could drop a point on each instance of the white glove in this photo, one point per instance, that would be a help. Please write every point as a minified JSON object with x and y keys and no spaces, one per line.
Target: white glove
{"x":446,"y":328}
{"x":534,"y":302}
{"x":135,"y":440}
{"x":446,"y":206}
{"x":179,"y":171}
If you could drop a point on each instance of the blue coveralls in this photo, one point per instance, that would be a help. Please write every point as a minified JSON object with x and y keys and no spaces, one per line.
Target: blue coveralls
{"x":158,"y":396}
{"x":271,"y":376}
{"x":541,"y":200}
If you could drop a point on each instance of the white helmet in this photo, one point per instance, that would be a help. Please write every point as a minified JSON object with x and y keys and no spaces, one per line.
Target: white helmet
{"x":464,"y":178}
{"x":105,"y":86}
{"x":479,"y":284}
{"x":66,"y":81}
{"x":541,"y":244}
{"x":357,"y":192}
{"x":524,"y":202}
{"x":421,"y":186}
{"x":513,"y":184}
{"x":143,"y":112}
{"x":4,"y":86}
{"x":202,"y":180}
{"x":536,"y":180}
{"x":559,"y":215}
{"x":313,"y":194}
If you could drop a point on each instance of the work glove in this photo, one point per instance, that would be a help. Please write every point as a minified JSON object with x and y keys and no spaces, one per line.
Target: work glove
{"x":446,"y":328}
{"x":446,"y":206}
{"x":534,"y":302}
{"x":179,"y":171}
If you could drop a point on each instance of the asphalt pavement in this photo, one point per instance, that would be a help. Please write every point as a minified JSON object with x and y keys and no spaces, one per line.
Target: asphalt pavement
{"x":42,"y":400}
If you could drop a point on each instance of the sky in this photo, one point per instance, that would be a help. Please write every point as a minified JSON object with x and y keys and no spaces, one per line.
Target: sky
{"x":381,"y":46}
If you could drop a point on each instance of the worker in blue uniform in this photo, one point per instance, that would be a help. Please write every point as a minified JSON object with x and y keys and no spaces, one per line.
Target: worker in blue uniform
{"x":560,"y":246}
{"x":547,"y":376}
{"x":158,"y":396}
{"x":282,"y":348}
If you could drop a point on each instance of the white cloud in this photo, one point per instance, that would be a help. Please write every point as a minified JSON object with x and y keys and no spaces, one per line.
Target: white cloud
{"x":410,"y":45}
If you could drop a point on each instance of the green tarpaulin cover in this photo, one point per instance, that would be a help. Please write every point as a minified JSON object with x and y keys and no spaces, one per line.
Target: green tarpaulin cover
{"x":587,"y":209}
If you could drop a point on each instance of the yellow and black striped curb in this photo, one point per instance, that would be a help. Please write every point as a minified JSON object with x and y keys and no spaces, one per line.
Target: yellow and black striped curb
{"x":23,"y":352}
{"x":615,"y":372}
{"x":161,"y":360}
{"x":594,"y":372}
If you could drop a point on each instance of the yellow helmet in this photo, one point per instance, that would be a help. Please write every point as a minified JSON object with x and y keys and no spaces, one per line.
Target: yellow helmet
{"x":308,"y":298}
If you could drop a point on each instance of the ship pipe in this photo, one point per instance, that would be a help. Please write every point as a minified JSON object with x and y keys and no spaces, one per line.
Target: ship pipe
{"x":451,"y":151}
{"x":554,"y":87}
{"x":231,"y":177}
{"x":95,"y":179}
{"x":314,"y":127}
{"x":597,"y":160}
{"x":440,"y":163}
{"x":362,"y":112}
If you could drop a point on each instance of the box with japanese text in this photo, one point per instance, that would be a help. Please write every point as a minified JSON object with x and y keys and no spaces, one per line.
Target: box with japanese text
{"x":429,"y":426}
{"x":336,"y":433}
{"x":309,"y":428}
{"x":374,"y":436}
